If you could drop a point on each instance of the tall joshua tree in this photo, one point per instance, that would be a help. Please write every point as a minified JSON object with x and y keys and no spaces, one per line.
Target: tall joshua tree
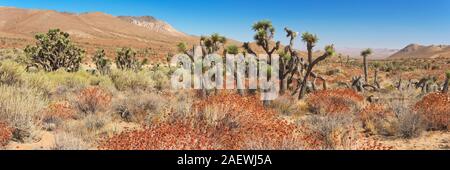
{"x":264,"y":36}
{"x":329,"y":51}
{"x":310,"y":41}
{"x":288,"y":61}
{"x":365,"y":54}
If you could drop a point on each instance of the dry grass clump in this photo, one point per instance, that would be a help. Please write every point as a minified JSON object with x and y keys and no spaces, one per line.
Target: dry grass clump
{"x":92,"y":100}
{"x":60,"y":82}
{"x":65,"y":141}
{"x":336,"y":101}
{"x":140,"y":107}
{"x":377,"y":119}
{"x":5,"y":134}
{"x":285,"y":105}
{"x":435,"y":108}
{"x":339,"y":132}
{"x":329,"y":132}
{"x":21,"y":108}
{"x":11,"y":73}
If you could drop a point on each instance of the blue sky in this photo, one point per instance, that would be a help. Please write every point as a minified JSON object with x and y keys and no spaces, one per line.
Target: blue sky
{"x":346,"y":23}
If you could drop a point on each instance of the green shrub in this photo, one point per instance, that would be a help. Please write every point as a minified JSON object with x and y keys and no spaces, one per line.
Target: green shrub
{"x":10,"y":73}
{"x":130,"y":80}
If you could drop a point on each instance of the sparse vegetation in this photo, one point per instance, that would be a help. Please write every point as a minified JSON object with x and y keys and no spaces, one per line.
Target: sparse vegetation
{"x":130,"y":106}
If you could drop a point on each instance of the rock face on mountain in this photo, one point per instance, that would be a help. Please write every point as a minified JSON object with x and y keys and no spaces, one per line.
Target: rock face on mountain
{"x":153,"y":24}
{"x":420,"y":51}
{"x":91,"y":30}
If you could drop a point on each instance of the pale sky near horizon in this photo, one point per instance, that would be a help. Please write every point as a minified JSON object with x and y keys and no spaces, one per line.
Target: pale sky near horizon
{"x":345,"y":23}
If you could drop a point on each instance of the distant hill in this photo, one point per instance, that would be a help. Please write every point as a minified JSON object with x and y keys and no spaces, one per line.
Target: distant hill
{"x":91,"y":30}
{"x":420,"y":51}
{"x":381,"y":53}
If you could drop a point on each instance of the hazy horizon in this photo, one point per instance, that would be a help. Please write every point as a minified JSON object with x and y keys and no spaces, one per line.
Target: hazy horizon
{"x":345,"y":23}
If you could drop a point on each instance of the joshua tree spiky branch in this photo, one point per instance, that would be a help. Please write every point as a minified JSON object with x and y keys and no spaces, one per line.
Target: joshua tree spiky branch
{"x":264,"y":35}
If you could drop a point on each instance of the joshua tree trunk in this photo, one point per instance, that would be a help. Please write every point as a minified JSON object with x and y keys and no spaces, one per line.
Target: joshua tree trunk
{"x":365,"y":70}
{"x":445,"y":87}
{"x":375,"y":79}
{"x":303,"y":84}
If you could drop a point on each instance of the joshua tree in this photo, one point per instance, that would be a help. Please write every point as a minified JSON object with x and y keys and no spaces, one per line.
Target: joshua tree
{"x":101,"y":62}
{"x":212,"y":43}
{"x":232,"y":49}
{"x":263,"y":37}
{"x":289,"y":61}
{"x":329,"y":51}
{"x":365,"y":54}
{"x":126,"y":60}
{"x":54,"y":50}
{"x":446,"y":82}
{"x":376,"y":65}
{"x":310,"y":41}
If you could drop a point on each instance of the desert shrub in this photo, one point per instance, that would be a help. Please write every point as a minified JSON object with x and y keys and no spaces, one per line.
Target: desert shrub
{"x":130,"y":80}
{"x":285,"y":105}
{"x":92,"y":100}
{"x":160,"y":80}
{"x":410,"y":124}
{"x":57,"y":112}
{"x":377,"y":119}
{"x":95,"y":122}
{"x":220,"y":122}
{"x":336,"y":101}
{"x":10,"y":73}
{"x":5,"y":134}
{"x":335,"y":132}
{"x":53,"y":51}
{"x":65,"y":141}
{"x":59,"y":82}
{"x":20,"y":108}
{"x":330,"y":132}
{"x":162,"y":136}
{"x":333,"y":72}
{"x":137,"y":108}
{"x":435,"y":109}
